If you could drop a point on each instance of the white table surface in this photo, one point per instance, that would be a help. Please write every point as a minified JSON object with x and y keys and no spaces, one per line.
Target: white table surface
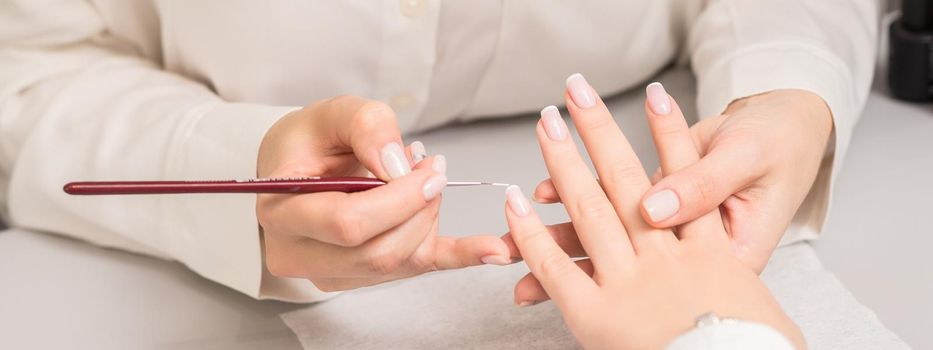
{"x":57,"y":292}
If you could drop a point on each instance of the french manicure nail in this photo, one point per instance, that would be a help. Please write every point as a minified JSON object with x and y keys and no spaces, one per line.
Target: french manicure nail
{"x":418,"y":152}
{"x":394,"y":161}
{"x":434,"y":186}
{"x":440,"y":164}
{"x":580,"y":91}
{"x":554,"y":125}
{"x":658,"y":99}
{"x":662,"y":205}
{"x":527,"y":303}
{"x":517,"y":201}
{"x":495,"y":260}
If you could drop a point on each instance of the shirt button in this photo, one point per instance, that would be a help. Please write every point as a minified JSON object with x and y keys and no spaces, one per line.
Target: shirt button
{"x":413,"y":8}
{"x":402,"y":102}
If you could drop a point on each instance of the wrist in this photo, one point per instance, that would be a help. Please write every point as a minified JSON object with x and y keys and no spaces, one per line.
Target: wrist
{"x":803,"y":108}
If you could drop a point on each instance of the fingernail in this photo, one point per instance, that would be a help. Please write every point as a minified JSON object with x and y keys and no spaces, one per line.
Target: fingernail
{"x":554,"y":125}
{"x":434,"y":186}
{"x":517,"y":201}
{"x":658,"y":99}
{"x":527,"y":303}
{"x":440,"y":164}
{"x":495,"y":260}
{"x":662,"y":205}
{"x":394,"y":161}
{"x":418,"y":152}
{"x":580,"y":91}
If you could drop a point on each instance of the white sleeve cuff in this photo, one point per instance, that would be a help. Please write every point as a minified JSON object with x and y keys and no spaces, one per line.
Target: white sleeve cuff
{"x":732,"y":335}
{"x":789,"y":65}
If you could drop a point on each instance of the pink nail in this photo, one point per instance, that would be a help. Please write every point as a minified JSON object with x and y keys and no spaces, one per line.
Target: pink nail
{"x":434,"y":186}
{"x":554,"y":125}
{"x":662,"y":205}
{"x":658,"y":99}
{"x":580,"y":91}
{"x":517,"y":201}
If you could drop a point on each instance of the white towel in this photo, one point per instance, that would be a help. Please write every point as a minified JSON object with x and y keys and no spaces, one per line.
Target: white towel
{"x":473,"y":309}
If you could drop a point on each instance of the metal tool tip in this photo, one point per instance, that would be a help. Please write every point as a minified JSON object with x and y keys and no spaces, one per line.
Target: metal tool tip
{"x":496,"y":184}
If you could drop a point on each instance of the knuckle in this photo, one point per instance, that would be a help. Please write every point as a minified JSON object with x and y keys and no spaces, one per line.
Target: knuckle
{"x":264,"y":216}
{"x":526,"y":239}
{"x":599,"y":124}
{"x":668,"y":129}
{"x":704,"y":188}
{"x":383,"y":261}
{"x":555,"y":266}
{"x":280,"y":267}
{"x":372,"y":114}
{"x":349,"y":228}
{"x":422,"y":260}
{"x":624,"y":174}
{"x":593,"y":206}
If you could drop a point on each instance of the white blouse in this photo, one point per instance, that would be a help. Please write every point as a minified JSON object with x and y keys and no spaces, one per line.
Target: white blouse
{"x":178,"y":89}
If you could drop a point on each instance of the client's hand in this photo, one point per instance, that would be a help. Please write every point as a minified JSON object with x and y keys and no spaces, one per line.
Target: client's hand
{"x":647,"y":285}
{"x":343,"y":241}
{"x":759,"y":160}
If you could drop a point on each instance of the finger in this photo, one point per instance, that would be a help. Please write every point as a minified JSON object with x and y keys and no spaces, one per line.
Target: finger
{"x":700,"y":188}
{"x":620,"y":172}
{"x":382,"y":256}
{"x":656,"y":176}
{"x":563,"y":234}
{"x":559,"y":276}
{"x":460,"y":252}
{"x":594,"y":218}
{"x":676,"y":150}
{"x":528,"y":291}
{"x":368,"y":129}
{"x":350,"y":219}
{"x":545,"y":193}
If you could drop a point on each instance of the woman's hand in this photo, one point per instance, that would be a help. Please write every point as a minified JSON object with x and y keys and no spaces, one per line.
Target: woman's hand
{"x":647,"y":285}
{"x":342,"y":241}
{"x":759,"y":160}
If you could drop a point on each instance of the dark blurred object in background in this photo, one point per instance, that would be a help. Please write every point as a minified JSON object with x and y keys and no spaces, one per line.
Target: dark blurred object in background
{"x":910,"y":66}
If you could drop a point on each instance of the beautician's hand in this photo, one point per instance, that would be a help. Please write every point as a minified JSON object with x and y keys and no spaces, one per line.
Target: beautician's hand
{"x":647,"y":286}
{"x":342,"y":241}
{"x":759,"y":160}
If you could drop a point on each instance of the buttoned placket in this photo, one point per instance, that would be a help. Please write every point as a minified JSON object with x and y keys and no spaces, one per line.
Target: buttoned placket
{"x":408,"y":54}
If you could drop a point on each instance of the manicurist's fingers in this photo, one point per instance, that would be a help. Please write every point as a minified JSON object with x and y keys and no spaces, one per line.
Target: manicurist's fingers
{"x":620,"y":172}
{"x":350,"y":219}
{"x":366,"y":128}
{"x":560,"y":277}
{"x":597,"y":224}
{"x":545,"y":193}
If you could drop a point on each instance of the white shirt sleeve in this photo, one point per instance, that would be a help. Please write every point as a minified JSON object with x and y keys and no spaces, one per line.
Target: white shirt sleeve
{"x":77,"y":103}
{"x":740,"y":48}
{"x":736,"y":335}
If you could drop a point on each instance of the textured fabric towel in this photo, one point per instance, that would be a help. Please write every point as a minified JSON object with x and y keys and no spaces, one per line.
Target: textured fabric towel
{"x":473,"y":309}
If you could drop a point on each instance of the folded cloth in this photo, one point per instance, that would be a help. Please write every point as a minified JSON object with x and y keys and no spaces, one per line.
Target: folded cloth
{"x":473,"y":308}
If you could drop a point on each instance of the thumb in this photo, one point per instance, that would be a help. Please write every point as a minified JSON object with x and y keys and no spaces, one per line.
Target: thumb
{"x":369,"y":129}
{"x":692,"y":192}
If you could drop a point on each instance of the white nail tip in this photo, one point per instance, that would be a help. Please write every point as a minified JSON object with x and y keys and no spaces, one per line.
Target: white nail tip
{"x":517,"y":201}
